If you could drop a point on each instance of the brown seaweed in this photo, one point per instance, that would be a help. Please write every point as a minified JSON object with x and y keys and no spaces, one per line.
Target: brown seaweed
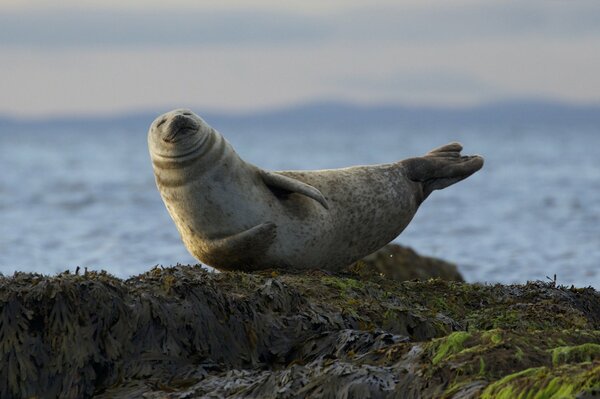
{"x":183,"y":332}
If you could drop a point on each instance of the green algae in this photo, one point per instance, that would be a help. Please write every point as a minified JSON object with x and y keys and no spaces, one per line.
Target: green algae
{"x":545,"y":383}
{"x":494,"y":336}
{"x":575,"y":354}
{"x":519,"y":354}
{"x":503,"y":389}
{"x":481,"y":366}
{"x":448,"y":346}
{"x":345,"y":285}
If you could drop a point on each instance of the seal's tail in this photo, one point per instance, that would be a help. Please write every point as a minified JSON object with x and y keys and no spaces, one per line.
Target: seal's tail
{"x":442,"y":167}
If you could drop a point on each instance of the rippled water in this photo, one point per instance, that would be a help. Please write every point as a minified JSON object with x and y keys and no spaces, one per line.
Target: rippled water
{"x":70,"y":198}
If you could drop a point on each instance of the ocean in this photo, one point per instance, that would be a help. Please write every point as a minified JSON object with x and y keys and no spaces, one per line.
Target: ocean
{"x":82,"y":193}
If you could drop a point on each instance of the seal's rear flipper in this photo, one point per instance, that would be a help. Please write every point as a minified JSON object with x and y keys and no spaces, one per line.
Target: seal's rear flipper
{"x":242,"y":249}
{"x":442,"y":167}
{"x":287,"y":184}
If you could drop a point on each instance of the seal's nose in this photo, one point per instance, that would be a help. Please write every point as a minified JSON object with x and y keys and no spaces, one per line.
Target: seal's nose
{"x":180,"y":122}
{"x":180,"y":119}
{"x":179,"y":125}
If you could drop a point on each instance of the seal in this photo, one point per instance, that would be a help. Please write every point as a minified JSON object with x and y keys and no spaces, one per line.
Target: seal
{"x":233,"y":215}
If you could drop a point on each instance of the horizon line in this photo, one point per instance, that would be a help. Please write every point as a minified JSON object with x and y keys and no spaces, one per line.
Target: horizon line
{"x":241,"y":113}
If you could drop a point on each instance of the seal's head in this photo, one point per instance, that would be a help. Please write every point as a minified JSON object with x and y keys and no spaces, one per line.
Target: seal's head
{"x":177,"y":134}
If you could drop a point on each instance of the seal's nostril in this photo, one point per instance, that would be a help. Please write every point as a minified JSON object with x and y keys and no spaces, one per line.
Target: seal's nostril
{"x":183,"y":118}
{"x":161,"y":122}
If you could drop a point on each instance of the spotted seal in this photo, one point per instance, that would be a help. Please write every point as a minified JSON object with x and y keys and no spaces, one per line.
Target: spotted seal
{"x":233,"y":215}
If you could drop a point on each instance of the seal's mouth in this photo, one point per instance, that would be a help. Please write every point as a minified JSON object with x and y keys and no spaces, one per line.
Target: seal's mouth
{"x":178,"y":127}
{"x":176,"y":135}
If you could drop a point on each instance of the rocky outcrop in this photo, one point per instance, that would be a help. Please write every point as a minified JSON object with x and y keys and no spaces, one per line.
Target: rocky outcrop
{"x":183,"y":332}
{"x":403,"y":263}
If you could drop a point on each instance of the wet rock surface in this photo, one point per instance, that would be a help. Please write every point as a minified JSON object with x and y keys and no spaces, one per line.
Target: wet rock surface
{"x":403,"y":263}
{"x":183,"y":332}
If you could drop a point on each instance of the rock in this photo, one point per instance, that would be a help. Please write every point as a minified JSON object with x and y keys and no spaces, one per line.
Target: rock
{"x":183,"y":332}
{"x":403,"y":263}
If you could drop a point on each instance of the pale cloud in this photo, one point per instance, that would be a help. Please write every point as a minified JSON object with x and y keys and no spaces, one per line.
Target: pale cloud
{"x":108,"y":28}
{"x":312,"y":6}
{"x":112,"y":58}
{"x":427,"y":81}
{"x":81,"y":26}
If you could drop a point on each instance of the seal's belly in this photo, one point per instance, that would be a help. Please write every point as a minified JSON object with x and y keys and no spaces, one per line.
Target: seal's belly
{"x":214,"y":208}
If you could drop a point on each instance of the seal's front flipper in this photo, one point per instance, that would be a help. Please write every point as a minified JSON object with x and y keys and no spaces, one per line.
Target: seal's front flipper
{"x":442,"y":167}
{"x":287,"y":184}
{"x":241,"y":250}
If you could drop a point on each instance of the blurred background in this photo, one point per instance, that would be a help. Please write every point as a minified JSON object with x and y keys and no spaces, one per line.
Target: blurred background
{"x":304,"y":86}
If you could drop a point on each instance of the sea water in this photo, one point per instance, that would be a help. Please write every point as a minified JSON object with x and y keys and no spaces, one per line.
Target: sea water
{"x":84,"y":195}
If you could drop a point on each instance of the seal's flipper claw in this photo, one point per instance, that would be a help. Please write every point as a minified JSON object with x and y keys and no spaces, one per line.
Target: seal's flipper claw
{"x":451,"y":148}
{"x":236,"y":249}
{"x":285,"y":183}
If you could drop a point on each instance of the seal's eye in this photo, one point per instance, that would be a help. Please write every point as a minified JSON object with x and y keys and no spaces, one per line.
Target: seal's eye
{"x":159,"y":124}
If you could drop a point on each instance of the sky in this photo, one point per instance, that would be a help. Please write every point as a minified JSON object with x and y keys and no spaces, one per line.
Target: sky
{"x":91,"y":58}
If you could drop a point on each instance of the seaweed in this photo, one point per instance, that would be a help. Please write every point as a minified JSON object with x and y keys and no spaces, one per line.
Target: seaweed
{"x":183,"y":332}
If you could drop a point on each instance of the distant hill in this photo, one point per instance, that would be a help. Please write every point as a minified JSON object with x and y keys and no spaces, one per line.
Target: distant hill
{"x":339,"y":115}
